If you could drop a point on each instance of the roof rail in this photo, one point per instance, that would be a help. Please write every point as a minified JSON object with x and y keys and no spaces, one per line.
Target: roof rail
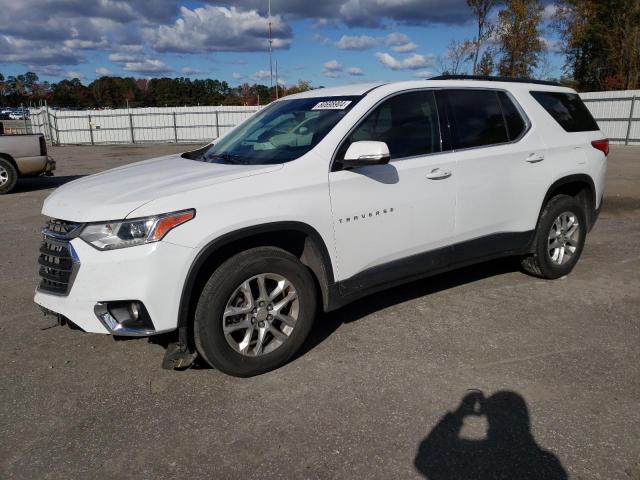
{"x":488,"y":78}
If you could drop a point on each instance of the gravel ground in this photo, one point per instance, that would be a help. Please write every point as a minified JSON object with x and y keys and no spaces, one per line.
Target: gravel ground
{"x":369,"y":396}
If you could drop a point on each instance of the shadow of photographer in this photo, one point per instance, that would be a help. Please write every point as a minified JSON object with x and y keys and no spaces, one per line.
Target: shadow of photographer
{"x":508,"y":451}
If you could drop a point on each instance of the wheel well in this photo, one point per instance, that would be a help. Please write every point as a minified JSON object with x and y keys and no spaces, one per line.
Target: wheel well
{"x":580,"y":188}
{"x":302,"y":244}
{"x":10,"y":159}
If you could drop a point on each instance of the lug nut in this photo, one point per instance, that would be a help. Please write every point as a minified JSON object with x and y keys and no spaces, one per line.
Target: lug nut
{"x":253,"y":321}
{"x":269,"y":307}
{"x":261,"y":324}
{"x":269,"y":317}
{"x":261,"y":304}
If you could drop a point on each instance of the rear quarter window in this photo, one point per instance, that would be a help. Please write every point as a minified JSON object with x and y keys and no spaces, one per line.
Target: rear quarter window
{"x":568,"y":110}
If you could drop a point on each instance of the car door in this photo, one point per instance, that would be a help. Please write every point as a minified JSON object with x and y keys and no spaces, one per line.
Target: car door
{"x":386,"y":216}
{"x":501,"y":172}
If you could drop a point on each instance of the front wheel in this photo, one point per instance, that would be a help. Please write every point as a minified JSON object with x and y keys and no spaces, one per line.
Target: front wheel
{"x":559,"y":240}
{"x":255,"y":312}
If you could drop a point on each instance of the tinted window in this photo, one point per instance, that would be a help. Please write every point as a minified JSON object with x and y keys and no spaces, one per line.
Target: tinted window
{"x":408,"y":123}
{"x":478,"y":118}
{"x":281,"y":132}
{"x":515,"y":122}
{"x":568,"y":110}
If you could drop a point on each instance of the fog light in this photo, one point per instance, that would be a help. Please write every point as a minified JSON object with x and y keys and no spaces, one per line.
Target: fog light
{"x":128,"y":318}
{"x":134,"y":309}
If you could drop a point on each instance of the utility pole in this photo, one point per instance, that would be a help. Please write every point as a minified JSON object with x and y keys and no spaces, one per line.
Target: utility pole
{"x":270,"y":50}
{"x":276,"y":79}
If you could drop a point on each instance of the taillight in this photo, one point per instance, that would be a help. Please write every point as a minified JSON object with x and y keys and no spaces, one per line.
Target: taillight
{"x":43,"y":146}
{"x":602,"y":145}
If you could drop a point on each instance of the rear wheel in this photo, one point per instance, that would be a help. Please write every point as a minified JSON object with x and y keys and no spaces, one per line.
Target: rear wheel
{"x":8,"y":176}
{"x":559,"y":240}
{"x":255,"y":312}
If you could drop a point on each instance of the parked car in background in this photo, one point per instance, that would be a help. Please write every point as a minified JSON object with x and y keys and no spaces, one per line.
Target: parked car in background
{"x":317,"y":200}
{"x":19,"y":115}
{"x":23,"y":156}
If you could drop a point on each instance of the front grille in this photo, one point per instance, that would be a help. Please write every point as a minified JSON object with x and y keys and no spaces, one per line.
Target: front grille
{"x":58,"y":261}
{"x":60,"y":228}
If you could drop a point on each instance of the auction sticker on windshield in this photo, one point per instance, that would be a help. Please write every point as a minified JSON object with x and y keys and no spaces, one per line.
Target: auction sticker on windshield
{"x":332,"y":105}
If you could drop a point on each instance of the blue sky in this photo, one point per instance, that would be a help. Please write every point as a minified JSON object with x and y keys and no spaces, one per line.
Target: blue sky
{"x":327,"y":42}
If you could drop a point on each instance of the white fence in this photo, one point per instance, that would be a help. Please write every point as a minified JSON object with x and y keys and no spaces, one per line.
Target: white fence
{"x":138,"y":125}
{"x":617,"y":114}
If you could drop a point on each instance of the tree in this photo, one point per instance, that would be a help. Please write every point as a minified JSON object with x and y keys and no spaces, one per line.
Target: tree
{"x":457,"y":55}
{"x":486,"y":65}
{"x":601,"y":41}
{"x":519,"y":38}
{"x":481,"y":10}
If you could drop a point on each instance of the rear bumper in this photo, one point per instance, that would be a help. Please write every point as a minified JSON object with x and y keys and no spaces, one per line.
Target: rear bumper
{"x":50,"y":167}
{"x":151,"y":274}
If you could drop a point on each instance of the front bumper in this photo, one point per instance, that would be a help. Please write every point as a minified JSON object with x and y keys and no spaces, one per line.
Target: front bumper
{"x":152,"y":274}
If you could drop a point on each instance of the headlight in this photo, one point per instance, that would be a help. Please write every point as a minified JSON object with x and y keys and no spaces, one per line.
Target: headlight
{"x":128,"y":233}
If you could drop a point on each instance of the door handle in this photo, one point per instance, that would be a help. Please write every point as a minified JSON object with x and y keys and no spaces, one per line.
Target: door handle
{"x":535,"y":158}
{"x":438,"y":174}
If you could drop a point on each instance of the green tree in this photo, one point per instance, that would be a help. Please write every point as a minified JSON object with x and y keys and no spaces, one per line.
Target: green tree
{"x":601,"y":40}
{"x":519,"y":38}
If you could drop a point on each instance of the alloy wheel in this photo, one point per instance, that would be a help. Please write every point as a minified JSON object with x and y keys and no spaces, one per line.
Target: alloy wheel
{"x":564,"y":237}
{"x":261,"y":314}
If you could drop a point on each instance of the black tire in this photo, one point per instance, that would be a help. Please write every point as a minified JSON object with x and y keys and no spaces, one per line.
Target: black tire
{"x":539,"y":263}
{"x":8,"y":176}
{"x":208,"y":332}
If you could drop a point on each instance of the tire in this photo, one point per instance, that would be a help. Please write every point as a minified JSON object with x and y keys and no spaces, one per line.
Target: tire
{"x":8,"y":176}
{"x":556,"y":249}
{"x":227,"y":349}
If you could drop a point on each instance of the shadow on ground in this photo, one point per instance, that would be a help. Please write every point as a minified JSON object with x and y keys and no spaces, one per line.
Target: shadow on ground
{"x":507,"y":451}
{"x":31,"y":184}
{"x":327,"y":323}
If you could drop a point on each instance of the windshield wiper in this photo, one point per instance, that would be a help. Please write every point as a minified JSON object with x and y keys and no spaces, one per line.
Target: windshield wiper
{"x":227,"y":158}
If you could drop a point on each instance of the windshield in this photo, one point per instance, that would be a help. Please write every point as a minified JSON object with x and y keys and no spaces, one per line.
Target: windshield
{"x":281,"y":132}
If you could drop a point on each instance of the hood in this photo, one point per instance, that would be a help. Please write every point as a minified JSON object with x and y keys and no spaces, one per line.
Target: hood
{"x":113,"y":194}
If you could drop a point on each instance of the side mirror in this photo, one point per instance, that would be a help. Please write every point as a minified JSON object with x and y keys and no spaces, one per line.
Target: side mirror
{"x":363,"y":153}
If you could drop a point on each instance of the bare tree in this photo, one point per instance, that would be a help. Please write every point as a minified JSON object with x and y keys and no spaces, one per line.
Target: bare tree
{"x":457,"y":55}
{"x":481,"y":10}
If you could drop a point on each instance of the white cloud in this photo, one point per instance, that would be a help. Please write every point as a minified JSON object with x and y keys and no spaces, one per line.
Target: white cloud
{"x":355,"y":71}
{"x":332,"y":69}
{"x":103,"y":71}
{"x":190,"y":71}
{"x":73,"y":74}
{"x":122,"y":57}
{"x":237,"y":76}
{"x":411,"y":62}
{"x":396,"y":39}
{"x":406,"y":48}
{"x":209,"y":29}
{"x":148,"y":65}
{"x":261,"y":75}
{"x":424,"y":74}
{"x":332,"y":66}
{"x":360,"y":42}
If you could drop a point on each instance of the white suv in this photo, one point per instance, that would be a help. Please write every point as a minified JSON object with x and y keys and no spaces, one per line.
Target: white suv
{"x":319,"y":199}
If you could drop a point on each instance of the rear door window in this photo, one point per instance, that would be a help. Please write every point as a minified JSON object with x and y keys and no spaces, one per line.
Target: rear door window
{"x":568,"y":110}
{"x":477,"y":117}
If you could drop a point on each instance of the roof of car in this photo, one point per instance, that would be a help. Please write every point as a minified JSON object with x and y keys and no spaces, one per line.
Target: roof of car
{"x":493,"y":82}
